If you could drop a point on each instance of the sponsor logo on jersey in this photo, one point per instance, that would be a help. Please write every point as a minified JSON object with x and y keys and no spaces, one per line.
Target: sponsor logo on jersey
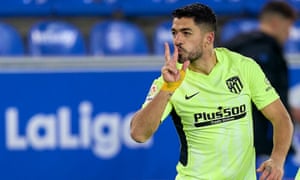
{"x":152,"y":92}
{"x":220,"y":116}
{"x":234,"y":84}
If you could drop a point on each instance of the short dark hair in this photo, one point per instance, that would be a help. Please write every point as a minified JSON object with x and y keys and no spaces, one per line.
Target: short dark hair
{"x":279,"y":7}
{"x":201,"y":13}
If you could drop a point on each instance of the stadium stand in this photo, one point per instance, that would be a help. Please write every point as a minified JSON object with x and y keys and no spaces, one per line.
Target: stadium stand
{"x":26,"y":8}
{"x":55,"y":38}
{"x":236,"y":26}
{"x":165,"y":7}
{"x":227,"y":7}
{"x":150,"y":7}
{"x":114,"y":37}
{"x":253,"y":7}
{"x":85,"y":7}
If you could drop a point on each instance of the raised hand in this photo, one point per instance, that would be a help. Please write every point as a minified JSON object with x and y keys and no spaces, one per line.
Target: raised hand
{"x":172,"y":76}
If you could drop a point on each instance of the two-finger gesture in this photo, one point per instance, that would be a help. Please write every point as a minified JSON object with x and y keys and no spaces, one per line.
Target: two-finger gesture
{"x":172,"y":76}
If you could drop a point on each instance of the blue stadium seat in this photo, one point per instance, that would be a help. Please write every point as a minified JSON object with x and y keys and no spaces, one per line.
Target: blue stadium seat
{"x":54,"y":38}
{"x":162,"y":34}
{"x":236,"y":26}
{"x":165,"y":7}
{"x":25,"y":7}
{"x":85,"y":7}
{"x":11,"y":43}
{"x":117,"y":38}
{"x":292,"y":45}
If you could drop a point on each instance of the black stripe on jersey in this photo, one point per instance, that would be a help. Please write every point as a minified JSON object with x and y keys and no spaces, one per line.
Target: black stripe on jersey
{"x":183,"y":142}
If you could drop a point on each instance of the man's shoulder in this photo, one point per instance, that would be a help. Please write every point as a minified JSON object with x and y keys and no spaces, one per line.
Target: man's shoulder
{"x":232,"y":58}
{"x":226,"y":54}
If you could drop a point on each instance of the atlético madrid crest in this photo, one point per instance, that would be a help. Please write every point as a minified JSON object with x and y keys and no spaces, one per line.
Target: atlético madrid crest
{"x":234,"y":84}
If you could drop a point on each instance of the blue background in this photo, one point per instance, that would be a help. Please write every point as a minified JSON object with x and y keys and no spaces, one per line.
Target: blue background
{"x":119,"y":93}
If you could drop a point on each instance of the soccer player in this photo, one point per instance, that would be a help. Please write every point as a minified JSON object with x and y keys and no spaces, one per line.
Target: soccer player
{"x":208,"y":92}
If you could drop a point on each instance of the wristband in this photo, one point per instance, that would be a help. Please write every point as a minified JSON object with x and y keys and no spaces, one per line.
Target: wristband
{"x":172,"y":86}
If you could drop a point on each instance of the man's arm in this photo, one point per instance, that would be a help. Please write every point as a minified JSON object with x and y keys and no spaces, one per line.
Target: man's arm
{"x":146,"y":121}
{"x":282,"y":137}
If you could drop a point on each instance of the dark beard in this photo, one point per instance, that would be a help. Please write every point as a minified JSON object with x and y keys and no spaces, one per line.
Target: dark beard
{"x":181,"y":60}
{"x":195,"y":56}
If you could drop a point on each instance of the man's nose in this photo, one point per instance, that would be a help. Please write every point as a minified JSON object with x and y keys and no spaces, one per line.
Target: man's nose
{"x":178,"y":40}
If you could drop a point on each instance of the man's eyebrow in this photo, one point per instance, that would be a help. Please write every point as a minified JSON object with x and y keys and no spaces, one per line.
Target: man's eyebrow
{"x":182,"y":29}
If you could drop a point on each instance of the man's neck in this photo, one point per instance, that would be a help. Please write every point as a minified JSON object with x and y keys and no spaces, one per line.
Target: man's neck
{"x":205,"y":64}
{"x":269,"y":30}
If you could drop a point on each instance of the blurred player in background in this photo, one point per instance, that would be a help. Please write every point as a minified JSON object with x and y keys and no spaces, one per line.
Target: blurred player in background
{"x":265,"y":46}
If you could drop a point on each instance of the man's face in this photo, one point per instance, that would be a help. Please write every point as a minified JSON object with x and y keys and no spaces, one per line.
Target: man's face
{"x":283,"y":28}
{"x":188,"y":38}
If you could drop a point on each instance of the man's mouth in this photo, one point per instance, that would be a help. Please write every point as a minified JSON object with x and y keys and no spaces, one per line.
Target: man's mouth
{"x":180,"y":50}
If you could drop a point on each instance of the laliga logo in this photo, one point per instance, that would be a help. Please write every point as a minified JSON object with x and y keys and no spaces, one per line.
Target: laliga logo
{"x":104,"y":134}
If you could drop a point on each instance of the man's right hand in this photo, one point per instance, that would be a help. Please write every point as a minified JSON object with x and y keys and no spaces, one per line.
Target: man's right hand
{"x":172,"y":76}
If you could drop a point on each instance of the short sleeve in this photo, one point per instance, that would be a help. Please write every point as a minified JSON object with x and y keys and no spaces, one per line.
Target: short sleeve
{"x":261,"y":90}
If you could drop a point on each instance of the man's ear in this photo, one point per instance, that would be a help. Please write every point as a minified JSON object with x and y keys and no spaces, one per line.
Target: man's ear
{"x":210,"y":37}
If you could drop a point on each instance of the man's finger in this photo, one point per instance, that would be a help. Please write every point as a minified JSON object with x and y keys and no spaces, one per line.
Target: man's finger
{"x":175,"y":55}
{"x":167,"y":52}
{"x":266,"y":172}
{"x":261,"y":168}
{"x":185,"y":65}
{"x":169,"y":70}
{"x":268,"y":168}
